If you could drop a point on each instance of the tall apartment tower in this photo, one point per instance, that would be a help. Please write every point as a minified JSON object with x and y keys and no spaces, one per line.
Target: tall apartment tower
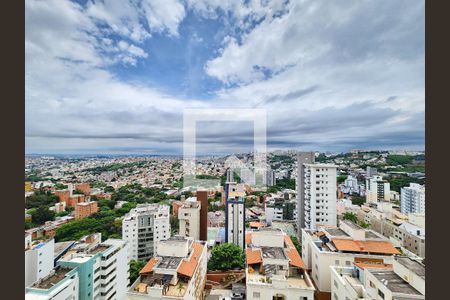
{"x":142,"y":227}
{"x":189,"y":217}
{"x":412,"y":199}
{"x":320,"y":184}
{"x":377,"y":189}
{"x":202,"y":197}
{"x":102,"y":267}
{"x":371,"y":171}
{"x":235,"y":221}
{"x":302,"y":159}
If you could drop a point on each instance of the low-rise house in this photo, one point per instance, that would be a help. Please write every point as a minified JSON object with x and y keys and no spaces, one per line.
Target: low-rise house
{"x":177,"y":271}
{"x":274,"y":268}
{"x":341,"y":246}
{"x":404,"y":279}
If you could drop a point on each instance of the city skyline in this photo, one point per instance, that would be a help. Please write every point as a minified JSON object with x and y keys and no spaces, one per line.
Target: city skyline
{"x":114,"y":76}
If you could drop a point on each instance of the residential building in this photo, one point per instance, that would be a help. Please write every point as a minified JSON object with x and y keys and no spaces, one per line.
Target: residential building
{"x":61,"y":283}
{"x":216,"y":219}
{"x":102,"y":267}
{"x":408,"y":234}
{"x":177,"y":271}
{"x":142,"y":227}
{"x":371,"y":171}
{"x":302,"y":159}
{"x":274,"y":268}
{"x":351,"y":183}
{"x":235,"y":221}
{"x":269,"y":178}
{"x":377,"y":189}
{"x":85,"y":188}
{"x":202,"y":198}
{"x":279,"y":209}
{"x":189,"y":218}
{"x":404,"y":279}
{"x":412,"y":199}
{"x":175,"y":206}
{"x":38,"y":260}
{"x":85,"y":209}
{"x":60,"y":207}
{"x":341,"y":246}
{"x":318,"y":195}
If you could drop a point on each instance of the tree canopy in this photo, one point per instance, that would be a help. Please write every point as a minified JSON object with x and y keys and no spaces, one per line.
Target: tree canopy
{"x":226,"y":257}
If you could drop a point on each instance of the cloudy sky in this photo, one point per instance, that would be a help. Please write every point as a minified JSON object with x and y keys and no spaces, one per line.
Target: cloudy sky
{"x":115,"y":76}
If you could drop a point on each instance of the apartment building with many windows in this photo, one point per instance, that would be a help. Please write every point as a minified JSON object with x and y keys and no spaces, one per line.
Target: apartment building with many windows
{"x":142,"y":227}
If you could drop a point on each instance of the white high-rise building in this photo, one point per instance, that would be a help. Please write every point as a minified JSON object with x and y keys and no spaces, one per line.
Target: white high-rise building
{"x":102,"y":267}
{"x":413,"y":199}
{"x":235,"y":221}
{"x":351,"y":183}
{"x":142,"y":227}
{"x":39,"y":260}
{"x":377,"y":189}
{"x":189,"y":217}
{"x":318,"y":195}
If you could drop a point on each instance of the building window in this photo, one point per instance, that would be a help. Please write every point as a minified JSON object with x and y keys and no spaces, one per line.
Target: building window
{"x":335,"y":296}
{"x":256,"y":295}
{"x":335,"y":284}
{"x":336,"y":262}
{"x":381,"y":294}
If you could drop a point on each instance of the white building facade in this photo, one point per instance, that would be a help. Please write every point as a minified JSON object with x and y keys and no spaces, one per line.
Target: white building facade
{"x":189,"y":218}
{"x":319,"y":195}
{"x":377,"y":189}
{"x":142,"y":227}
{"x":39,"y":261}
{"x":412,"y":199}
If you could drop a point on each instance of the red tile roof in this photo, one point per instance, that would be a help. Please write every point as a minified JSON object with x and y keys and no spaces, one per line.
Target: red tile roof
{"x":253,"y":256}
{"x":294,"y":257}
{"x":381,"y":247}
{"x":256,"y":225}
{"x":364,"y":265}
{"x":149,"y":266}
{"x":187,"y":267}
{"x":248,"y":238}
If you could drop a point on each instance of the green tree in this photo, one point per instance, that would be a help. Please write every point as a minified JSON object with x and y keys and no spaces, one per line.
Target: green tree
{"x":226,"y":257}
{"x":108,"y":189}
{"x":135,"y":267}
{"x":174,"y":224}
{"x":351,"y":217}
{"x":42,"y":215}
{"x":358,"y":200}
{"x":341,"y":178}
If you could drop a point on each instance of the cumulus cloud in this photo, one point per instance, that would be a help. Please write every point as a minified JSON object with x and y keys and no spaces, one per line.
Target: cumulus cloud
{"x":332,"y":75}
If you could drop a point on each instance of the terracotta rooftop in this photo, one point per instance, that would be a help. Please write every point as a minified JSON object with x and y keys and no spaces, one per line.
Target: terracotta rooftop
{"x":294,"y":257}
{"x":248,"y":238}
{"x":187,"y":267}
{"x":365,"y":246}
{"x":149,"y":266}
{"x":364,"y":265}
{"x":253,"y":256}
{"x":256,"y":225}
